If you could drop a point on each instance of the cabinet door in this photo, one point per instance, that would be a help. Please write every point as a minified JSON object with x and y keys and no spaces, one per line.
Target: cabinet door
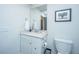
{"x":25,"y":45}
{"x":36,"y":46}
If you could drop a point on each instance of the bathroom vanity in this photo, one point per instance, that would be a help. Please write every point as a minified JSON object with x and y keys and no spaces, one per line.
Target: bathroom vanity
{"x":33,"y":42}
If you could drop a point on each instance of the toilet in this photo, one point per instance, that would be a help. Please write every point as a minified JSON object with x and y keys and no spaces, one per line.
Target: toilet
{"x":63,"y":46}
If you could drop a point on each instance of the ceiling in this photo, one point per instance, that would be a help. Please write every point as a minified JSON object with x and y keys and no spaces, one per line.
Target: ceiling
{"x":41,"y":7}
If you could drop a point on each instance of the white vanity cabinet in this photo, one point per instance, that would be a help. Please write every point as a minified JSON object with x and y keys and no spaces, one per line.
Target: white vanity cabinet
{"x":36,"y":46}
{"x":25,"y":44}
{"x":32,"y":43}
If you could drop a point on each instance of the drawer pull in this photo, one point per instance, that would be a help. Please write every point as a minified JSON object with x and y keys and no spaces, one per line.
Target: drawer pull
{"x":35,"y":48}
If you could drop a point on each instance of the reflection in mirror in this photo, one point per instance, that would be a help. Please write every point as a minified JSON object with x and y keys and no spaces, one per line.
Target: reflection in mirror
{"x":39,"y":14}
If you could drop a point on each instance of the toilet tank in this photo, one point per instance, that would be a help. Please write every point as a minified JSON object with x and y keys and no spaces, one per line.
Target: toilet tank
{"x":63,"y":46}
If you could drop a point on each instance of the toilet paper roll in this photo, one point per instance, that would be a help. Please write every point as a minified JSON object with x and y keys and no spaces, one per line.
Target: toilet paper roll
{"x":45,"y":44}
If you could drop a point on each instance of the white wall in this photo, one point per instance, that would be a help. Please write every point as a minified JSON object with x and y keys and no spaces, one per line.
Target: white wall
{"x":64,"y":30}
{"x":12,"y":18}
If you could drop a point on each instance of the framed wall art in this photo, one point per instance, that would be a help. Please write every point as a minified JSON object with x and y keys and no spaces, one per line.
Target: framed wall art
{"x":63,"y":15}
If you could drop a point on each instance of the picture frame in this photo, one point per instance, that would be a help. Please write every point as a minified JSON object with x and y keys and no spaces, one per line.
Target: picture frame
{"x":63,"y":15}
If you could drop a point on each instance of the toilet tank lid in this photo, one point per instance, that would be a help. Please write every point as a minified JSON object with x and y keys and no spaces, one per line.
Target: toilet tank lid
{"x":62,"y":40}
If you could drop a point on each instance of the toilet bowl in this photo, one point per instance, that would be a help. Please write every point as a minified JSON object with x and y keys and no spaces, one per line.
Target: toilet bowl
{"x":63,"y":46}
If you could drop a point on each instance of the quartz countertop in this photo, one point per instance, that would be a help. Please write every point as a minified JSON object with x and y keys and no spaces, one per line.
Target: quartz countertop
{"x":40,"y":34}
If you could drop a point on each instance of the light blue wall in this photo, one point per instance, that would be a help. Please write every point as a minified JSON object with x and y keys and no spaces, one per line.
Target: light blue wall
{"x":64,"y":30}
{"x":12,"y":18}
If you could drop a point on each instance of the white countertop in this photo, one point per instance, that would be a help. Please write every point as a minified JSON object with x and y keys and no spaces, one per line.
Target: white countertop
{"x":40,"y":34}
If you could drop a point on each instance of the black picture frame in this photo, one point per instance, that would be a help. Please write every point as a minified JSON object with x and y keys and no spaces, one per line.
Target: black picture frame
{"x":63,"y":15}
